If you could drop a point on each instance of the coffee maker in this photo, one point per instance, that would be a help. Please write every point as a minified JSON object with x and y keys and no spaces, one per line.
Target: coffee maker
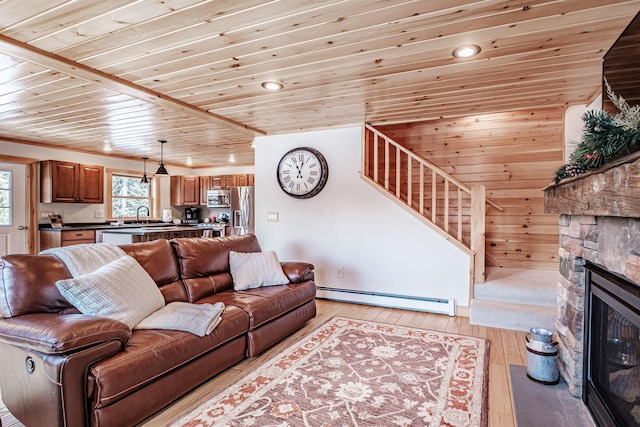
{"x":191,"y":215}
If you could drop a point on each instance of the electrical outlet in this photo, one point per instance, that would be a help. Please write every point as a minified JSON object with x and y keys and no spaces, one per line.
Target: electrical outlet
{"x":98,"y":214}
{"x":45,"y":214}
{"x":340,"y":272}
{"x":273,"y":216}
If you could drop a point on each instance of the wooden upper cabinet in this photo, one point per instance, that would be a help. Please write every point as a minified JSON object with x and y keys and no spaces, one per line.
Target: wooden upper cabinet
{"x":65,"y":182}
{"x":217,"y":182}
{"x":91,"y":184}
{"x":242,"y":180}
{"x":185,"y":190}
{"x":229,"y":181}
{"x":205,"y":185}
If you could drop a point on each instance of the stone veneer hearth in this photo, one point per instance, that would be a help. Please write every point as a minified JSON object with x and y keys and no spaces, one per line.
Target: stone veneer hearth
{"x":599,"y":223}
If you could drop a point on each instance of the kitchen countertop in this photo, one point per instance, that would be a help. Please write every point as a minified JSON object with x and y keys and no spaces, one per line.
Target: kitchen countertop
{"x":121,"y":228}
{"x":155,"y":229}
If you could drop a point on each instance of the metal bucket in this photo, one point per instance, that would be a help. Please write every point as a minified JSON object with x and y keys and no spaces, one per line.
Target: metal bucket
{"x":542,"y":356}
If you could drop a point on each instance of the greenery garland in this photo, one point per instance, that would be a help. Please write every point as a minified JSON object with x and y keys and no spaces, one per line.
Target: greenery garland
{"x":605,"y":137}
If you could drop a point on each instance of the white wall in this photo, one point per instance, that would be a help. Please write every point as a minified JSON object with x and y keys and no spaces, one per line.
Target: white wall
{"x":351,"y":225}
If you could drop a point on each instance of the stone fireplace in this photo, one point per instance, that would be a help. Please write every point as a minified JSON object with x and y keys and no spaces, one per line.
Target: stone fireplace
{"x":599,"y":224}
{"x":613,"y":243}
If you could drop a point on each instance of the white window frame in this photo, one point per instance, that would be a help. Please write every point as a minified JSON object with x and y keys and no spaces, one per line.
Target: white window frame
{"x":154,"y":192}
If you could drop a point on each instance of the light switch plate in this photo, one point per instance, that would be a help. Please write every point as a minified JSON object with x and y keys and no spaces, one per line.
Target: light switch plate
{"x":273,"y":216}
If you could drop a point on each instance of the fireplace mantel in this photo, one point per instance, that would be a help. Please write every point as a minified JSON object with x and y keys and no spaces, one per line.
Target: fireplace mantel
{"x":613,"y":190}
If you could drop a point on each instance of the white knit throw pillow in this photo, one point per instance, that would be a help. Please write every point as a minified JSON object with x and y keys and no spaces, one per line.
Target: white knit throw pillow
{"x":121,"y":290}
{"x":255,"y":269}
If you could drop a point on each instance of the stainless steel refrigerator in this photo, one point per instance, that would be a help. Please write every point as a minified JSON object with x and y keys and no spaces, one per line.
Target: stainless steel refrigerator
{"x":242,"y":209}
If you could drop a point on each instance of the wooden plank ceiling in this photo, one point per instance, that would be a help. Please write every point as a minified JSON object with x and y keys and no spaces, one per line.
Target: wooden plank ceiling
{"x":86,"y":74}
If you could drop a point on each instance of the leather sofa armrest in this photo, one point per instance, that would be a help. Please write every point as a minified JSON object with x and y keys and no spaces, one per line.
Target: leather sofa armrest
{"x":298,"y":272}
{"x":53,"y":333}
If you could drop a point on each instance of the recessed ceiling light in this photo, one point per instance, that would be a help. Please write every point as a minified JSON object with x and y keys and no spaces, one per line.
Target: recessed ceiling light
{"x":272,"y":85}
{"x":466,"y":51}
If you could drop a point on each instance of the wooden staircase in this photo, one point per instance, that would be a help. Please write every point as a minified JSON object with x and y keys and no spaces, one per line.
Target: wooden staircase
{"x":452,"y":209}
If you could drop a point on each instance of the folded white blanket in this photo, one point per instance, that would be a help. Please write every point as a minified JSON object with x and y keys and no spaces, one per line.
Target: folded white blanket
{"x":86,"y":258}
{"x":199,"y":319}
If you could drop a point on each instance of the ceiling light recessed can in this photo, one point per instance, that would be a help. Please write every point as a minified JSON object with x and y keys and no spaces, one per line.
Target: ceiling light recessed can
{"x":466,"y":51}
{"x":271,"y":85}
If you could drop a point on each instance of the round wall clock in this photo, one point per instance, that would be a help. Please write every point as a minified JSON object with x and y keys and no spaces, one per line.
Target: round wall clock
{"x":302,"y":172}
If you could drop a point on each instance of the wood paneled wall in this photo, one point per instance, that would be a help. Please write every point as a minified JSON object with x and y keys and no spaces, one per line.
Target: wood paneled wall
{"x":514,"y":155}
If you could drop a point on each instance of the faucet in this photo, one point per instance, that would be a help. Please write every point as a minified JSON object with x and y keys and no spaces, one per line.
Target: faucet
{"x":138,"y":213}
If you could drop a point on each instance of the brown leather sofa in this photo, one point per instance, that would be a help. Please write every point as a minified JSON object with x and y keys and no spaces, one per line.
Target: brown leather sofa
{"x":61,"y":368}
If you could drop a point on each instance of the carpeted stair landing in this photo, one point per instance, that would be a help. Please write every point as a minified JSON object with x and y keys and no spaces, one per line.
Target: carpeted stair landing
{"x":515,"y":299}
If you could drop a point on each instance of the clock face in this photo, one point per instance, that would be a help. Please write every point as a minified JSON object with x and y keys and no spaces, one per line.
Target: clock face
{"x":302,"y":172}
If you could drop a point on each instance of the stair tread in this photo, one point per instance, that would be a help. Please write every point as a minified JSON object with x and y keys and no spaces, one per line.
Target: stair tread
{"x":516,"y":307}
{"x":519,"y":286}
{"x":509,"y":315}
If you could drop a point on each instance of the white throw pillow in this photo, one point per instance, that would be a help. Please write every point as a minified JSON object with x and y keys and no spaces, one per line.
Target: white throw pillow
{"x":255,"y":269}
{"x":121,"y":290}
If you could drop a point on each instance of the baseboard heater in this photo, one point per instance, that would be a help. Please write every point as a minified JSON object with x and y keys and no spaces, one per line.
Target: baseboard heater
{"x":432,"y":305}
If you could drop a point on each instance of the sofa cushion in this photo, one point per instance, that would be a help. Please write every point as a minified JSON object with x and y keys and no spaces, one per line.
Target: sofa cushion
{"x":158,"y":259}
{"x":204,"y":263}
{"x":266,"y":304}
{"x":28,"y":285}
{"x":121,"y":290}
{"x":152,"y":353}
{"x":254,"y":270}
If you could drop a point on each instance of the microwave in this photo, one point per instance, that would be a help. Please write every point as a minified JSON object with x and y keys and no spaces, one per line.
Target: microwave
{"x":218,"y":199}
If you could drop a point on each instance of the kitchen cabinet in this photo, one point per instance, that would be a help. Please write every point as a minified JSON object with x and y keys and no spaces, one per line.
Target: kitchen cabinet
{"x":229,"y":181}
{"x":66,"y":182}
{"x":222,"y":181}
{"x":56,"y":239}
{"x":226,"y":181}
{"x":185,"y":190}
{"x":207,"y":183}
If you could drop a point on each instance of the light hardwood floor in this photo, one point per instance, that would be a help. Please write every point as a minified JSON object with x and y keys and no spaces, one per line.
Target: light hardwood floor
{"x":507,"y":347}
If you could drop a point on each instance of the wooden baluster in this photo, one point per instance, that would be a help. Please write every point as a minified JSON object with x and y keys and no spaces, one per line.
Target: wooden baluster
{"x":366,"y":132}
{"x":376,"y":166}
{"x":459,"y":214}
{"x":398,"y":167}
{"x":421,"y":189}
{"x":387,"y":166}
{"x":409,"y":180}
{"x":434,"y":195}
{"x":446,"y":205}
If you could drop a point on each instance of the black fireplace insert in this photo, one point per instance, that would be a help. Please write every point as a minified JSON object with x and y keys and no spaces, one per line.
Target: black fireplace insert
{"x":611,"y":387}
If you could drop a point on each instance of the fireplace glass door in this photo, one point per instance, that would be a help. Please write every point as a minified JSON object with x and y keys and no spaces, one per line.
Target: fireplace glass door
{"x":612,"y":349}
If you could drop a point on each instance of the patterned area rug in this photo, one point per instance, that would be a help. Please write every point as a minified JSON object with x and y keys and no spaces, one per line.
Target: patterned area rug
{"x":360,"y":373}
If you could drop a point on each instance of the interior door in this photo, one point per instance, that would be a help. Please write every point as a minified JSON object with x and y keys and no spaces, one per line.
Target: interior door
{"x":13,"y":209}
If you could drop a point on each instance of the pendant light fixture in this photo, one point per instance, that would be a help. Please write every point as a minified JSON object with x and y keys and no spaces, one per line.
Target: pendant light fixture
{"x":162,"y":170}
{"x":144,"y":179}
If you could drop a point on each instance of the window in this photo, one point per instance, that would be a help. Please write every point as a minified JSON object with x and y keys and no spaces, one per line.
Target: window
{"x":127,"y":194}
{"x":5,"y":198}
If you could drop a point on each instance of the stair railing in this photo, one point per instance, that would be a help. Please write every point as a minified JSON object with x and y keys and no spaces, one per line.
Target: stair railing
{"x":451,"y":208}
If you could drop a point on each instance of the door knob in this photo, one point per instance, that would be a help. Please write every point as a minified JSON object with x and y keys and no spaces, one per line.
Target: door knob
{"x":22,"y":227}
